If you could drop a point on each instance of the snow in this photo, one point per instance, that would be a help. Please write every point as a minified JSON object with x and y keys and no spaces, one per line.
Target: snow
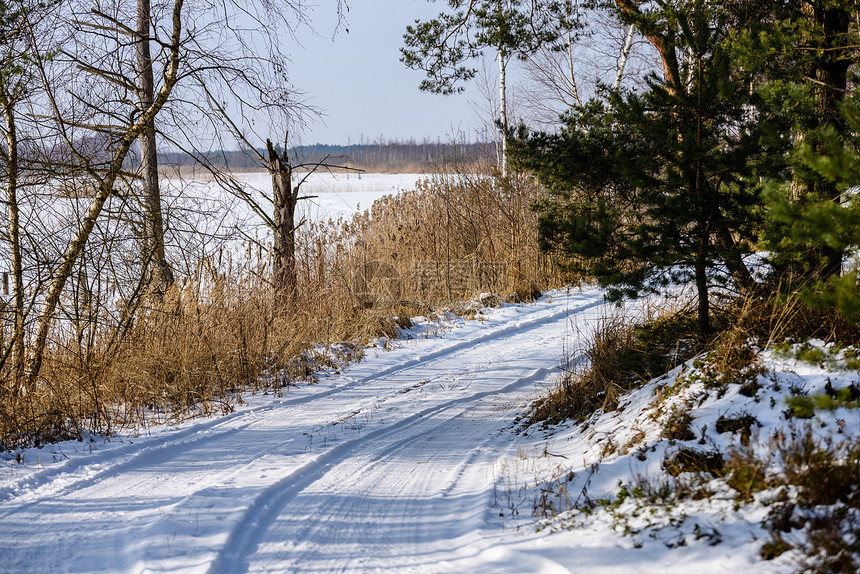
{"x":409,"y":461}
{"x":338,"y":194}
{"x":199,"y":202}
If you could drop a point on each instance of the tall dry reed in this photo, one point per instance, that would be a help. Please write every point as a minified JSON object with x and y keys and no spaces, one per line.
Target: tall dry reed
{"x":222,"y":331}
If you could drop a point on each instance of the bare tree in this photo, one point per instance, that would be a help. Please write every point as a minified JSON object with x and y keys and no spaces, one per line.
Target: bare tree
{"x":19,"y":161}
{"x":127,"y":75}
{"x":153,"y":235}
{"x":106,"y":172}
{"x":593,"y":52}
{"x":284,"y":201}
{"x":11,"y":92}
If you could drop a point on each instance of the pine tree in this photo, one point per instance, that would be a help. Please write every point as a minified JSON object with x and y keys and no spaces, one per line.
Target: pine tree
{"x":801,"y":51}
{"x":834,"y":224}
{"x":661,"y":188}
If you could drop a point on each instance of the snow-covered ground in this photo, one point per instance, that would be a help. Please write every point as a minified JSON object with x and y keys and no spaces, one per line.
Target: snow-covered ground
{"x":205,"y":218}
{"x":409,"y":461}
{"x":201,"y":202}
{"x":338,"y":194}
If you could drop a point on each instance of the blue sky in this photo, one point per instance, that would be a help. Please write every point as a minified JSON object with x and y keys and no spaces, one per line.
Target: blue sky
{"x":359,"y":83}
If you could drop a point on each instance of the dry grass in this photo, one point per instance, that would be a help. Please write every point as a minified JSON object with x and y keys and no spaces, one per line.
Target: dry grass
{"x":595,"y":381}
{"x":222,"y":331}
{"x":825,"y":505}
{"x":617,"y":356}
{"x":808,"y":479}
{"x":778,"y":312}
{"x":453,"y":237}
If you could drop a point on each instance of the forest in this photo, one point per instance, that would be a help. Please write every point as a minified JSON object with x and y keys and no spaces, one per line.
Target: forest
{"x":377,"y":156}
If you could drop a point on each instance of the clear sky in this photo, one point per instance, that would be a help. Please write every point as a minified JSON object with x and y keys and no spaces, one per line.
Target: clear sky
{"x":357,"y":80}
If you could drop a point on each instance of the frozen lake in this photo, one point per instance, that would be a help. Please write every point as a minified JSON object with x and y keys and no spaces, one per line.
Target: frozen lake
{"x":337,"y":194}
{"x":202,"y":214}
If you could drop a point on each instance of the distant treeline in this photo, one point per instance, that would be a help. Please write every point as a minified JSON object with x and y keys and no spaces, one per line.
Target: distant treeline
{"x":390,"y":157}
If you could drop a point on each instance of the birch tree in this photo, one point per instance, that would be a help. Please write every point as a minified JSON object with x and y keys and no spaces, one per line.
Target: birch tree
{"x":445,"y":46}
{"x":104,"y":173}
{"x":593,"y":52}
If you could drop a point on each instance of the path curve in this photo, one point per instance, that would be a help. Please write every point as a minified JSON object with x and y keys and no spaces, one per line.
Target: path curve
{"x":391,"y":465}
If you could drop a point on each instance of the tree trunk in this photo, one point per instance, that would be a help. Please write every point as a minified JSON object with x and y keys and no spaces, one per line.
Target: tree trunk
{"x":834,"y":74}
{"x":702,"y":255}
{"x":829,"y":78}
{"x":665,"y":47}
{"x":17,"y":351}
{"x":160,"y":274}
{"x":702,"y":291}
{"x":625,"y":55}
{"x":285,"y":199}
{"x":569,"y":44}
{"x":503,"y":109}
{"x":734,"y":262}
{"x":106,"y":185}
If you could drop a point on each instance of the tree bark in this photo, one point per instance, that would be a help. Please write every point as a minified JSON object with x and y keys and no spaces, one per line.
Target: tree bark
{"x":285,"y":199}
{"x":665,"y":48}
{"x":154,"y":258}
{"x":17,"y":351}
{"x":625,"y":55}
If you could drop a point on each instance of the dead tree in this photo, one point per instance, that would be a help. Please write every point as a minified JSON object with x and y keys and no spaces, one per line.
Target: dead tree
{"x":285,"y":198}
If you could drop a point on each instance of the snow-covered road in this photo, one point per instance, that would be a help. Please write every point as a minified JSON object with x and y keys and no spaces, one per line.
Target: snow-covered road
{"x":391,"y":465}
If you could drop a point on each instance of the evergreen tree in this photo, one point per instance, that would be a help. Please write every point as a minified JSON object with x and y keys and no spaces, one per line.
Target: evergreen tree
{"x":801,"y":51}
{"x":834,"y":224}
{"x":661,"y":188}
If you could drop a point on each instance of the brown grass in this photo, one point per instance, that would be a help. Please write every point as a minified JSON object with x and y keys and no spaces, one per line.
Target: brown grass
{"x":596,"y":380}
{"x":619,"y":355}
{"x":221,"y":331}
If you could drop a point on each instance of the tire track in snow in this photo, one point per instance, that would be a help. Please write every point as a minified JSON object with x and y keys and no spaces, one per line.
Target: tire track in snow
{"x":108,"y":463}
{"x":369,"y":391}
{"x":421,"y":490}
{"x":248,"y":532}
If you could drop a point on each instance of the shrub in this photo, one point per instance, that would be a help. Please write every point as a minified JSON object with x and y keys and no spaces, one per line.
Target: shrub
{"x":678,"y":426}
{"x":693,"y":460}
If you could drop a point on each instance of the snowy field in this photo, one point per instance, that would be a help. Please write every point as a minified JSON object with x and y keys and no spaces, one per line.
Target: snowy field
{"x":195,"y":205}
{"x":204,"y":217}
{"x":338,"y":194}
{"x":409,"y":461}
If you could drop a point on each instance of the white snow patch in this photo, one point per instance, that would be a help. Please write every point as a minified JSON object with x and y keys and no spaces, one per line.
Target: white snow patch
{"x":409,"y":461}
